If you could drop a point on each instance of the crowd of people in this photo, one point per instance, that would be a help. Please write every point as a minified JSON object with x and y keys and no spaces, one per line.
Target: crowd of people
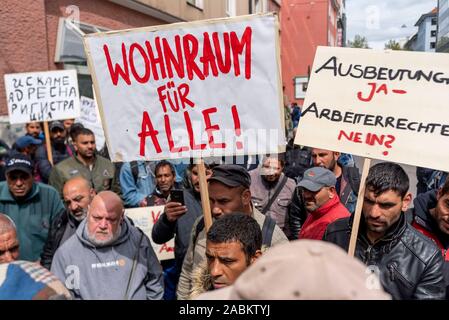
{"x":279,"y":230}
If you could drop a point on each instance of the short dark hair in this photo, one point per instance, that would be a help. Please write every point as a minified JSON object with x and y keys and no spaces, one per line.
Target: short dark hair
{"x":82,"y":131}
{"x":237,"y":227}
{"x":445,"y":187}
{"x":386,"y":176}
{"x":164,"y":163}
{"x":74,"y":129}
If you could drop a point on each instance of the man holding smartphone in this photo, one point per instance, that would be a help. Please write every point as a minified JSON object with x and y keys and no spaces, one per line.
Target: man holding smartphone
{"x":180,"y":213}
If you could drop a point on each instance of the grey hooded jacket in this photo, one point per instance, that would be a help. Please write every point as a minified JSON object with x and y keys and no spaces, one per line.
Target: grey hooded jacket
{"x":92,"y":273}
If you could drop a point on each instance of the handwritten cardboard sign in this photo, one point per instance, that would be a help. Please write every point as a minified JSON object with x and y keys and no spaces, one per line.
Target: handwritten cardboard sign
{"x":198,"y":89}
{"x":90,"y":118}
{"x":390,"y":105}
{"x":42,"y":96}
{"x":145,"y":218}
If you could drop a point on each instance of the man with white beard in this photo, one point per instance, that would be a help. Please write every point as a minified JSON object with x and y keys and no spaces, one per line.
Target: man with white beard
{"x":109,"y":258}
{"x":78,"y":194}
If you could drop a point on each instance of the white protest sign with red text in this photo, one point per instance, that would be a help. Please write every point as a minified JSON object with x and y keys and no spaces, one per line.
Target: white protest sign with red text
{"x":42,"y":96}
{"x":387,"y":105}
{"x":145,"y":218}
{"x":197,"y":89}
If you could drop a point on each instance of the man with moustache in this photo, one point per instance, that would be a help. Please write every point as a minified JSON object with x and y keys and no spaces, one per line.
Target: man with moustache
{"x":321,"y":201}
{"x":409,"y":265}
{"x":59,"y":149}
{"x":99,"y":171}
{"x":109,"y":258}
{"x":78,"y":194}
{"x":31,"y":205}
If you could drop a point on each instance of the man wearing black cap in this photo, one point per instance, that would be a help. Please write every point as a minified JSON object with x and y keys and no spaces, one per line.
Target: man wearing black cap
{"x":59,"y":149}
{"x":32,"y":206}
{"x":228,"y":192}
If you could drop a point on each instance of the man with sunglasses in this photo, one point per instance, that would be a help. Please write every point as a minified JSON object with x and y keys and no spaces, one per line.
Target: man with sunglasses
{"x":321,"y":202}
{"x":32,"y":206}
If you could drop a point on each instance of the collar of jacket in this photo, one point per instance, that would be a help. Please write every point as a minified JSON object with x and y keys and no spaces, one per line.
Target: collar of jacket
{"x":201,"y":281}
{"x":325,"y":208}
{"x":6,"y":195}
{"x":390,"y":237}
{"x":75,"y":156}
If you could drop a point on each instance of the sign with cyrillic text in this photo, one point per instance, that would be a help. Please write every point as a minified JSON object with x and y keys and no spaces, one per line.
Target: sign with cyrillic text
{"x":90,"y":118}
{"x":42,"y":96}
{"x":145,"y":218}
{"x":387,"y":105}
{"x":197,"y":89}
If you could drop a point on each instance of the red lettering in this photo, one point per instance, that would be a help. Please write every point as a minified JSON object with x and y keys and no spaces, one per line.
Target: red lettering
{"x":190,"y":53}
{"x":166,"y":248}
{"x":155,"y":61}
{"x":223,"y":64}
{"x":148,"y":131}
{"x":171,"y":143}
{"x":345,"y":135}
{"x":208,"y":57}
{"x":162,"y":97}
{"x":117,"y":70}
{"x":183,"y":91}
{"x":357,"y":137}
{"x":237,"y":49}
{"x":238,"y":131}
{"x":170,"y":58}
{"x":146,"y":75}
{"x":193,"y":146}
{"x":371,"y":94}
{"x":211,"y":128}
{"x":155,"y":216}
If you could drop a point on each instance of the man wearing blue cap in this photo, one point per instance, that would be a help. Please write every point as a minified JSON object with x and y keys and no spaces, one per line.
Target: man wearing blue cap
{"x":321,"y":201}
{"x":32,"y":206}
{"x":27,"y":145}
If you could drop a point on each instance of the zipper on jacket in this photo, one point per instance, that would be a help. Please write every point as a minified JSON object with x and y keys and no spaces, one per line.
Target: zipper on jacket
{"x":391,"y":268}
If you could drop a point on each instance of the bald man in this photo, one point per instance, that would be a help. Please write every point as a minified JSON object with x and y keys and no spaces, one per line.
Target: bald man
{"x":9,"y":244}
{"x":78,"y":194}
{"x":109,"y":258}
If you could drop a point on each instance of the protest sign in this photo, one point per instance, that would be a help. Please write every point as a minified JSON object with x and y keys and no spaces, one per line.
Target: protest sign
{"x":197,"y":89}
{"x":42,"y":96}
{"x":145,"y":218}
{"x":90,"y":118}
{"x":389,"y":105}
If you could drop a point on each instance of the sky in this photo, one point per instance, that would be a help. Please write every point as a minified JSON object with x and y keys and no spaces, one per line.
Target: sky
{"x":382,"y":20}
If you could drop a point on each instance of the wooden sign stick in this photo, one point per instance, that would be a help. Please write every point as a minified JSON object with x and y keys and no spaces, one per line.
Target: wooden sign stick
{"x":204,"y":194}
{"x":48,"y":142}
{"x":358,"y":208}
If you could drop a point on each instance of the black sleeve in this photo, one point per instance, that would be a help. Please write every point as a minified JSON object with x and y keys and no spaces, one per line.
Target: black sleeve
{"x":297,"y":214}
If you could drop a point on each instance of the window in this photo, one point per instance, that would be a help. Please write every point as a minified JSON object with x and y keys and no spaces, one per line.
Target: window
{"x":260,"y":6}
{"x":196,"y":3}
{"x":301,"y":84}
{"x":433,"y":33}
{"x":432,"y":45}
{"x":231,"y":8}
{"x":69,"y":42}
{"x":434,"y":21}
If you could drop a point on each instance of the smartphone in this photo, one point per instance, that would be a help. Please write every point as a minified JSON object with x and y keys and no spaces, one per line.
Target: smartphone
{"x":177,"y":195}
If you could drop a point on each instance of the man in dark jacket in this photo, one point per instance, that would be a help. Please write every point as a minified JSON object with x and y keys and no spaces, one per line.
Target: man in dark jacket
{"x":78,"y":194}
{"x":178,"y":219}
{"x":430,"y":216}
{"x":347,"y":186}
{"x":409,"y":265}
{"x":59,"y":149}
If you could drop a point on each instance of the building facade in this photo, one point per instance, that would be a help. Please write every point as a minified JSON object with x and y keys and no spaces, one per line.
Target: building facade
{"x":36,"y":36}
{"x":305,"y":25}
{"x":426,"y":37}
{"x":443,"y":26}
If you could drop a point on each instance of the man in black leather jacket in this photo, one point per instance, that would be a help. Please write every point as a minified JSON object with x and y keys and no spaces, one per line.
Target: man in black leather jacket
{"x":409,"y":265}
{"x":78,"y":194}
